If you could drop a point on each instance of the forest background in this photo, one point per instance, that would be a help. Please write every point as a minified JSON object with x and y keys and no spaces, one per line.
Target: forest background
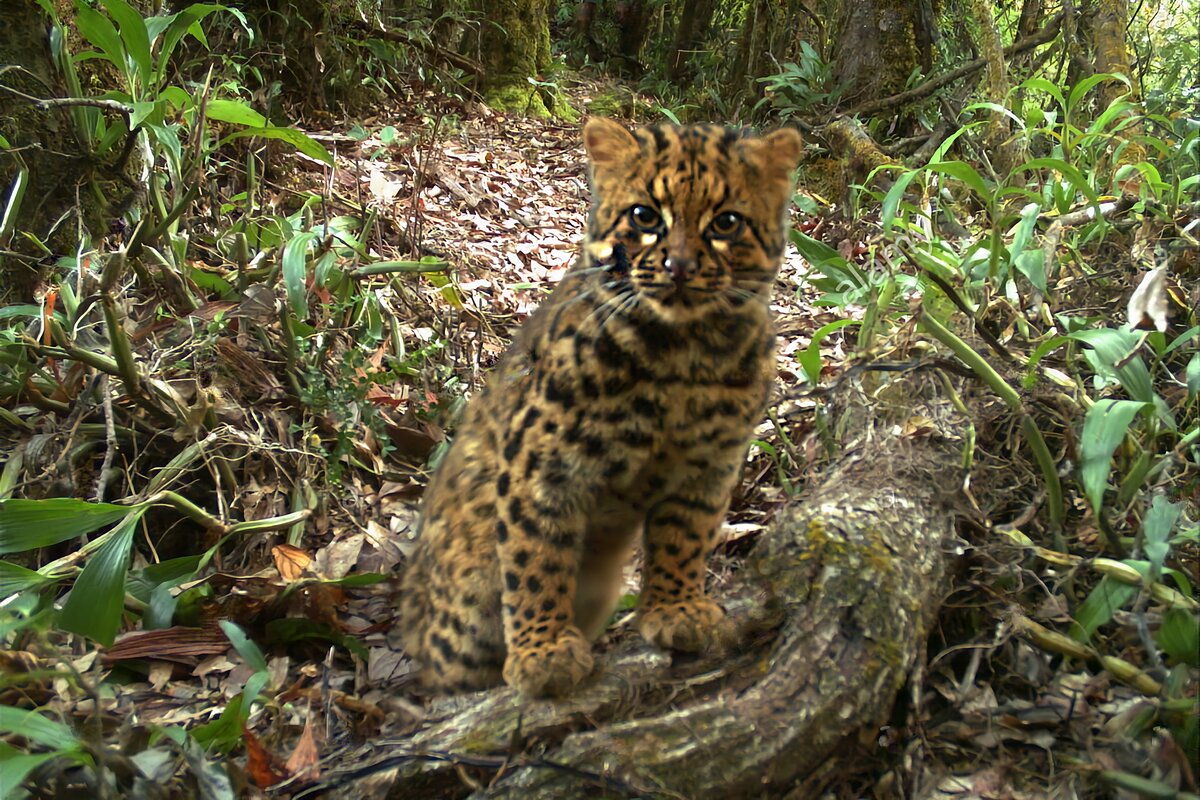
{"x":254,"y":255}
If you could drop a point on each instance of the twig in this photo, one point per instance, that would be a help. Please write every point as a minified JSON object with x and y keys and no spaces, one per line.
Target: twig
{"x":110,"y":439}
{"x":1043,"y":36}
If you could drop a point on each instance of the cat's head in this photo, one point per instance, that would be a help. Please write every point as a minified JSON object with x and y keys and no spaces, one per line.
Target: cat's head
{"x":691,"y":218}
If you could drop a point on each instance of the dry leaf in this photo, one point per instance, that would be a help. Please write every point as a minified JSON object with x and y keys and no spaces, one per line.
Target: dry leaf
{"x":304,"y":759}
{"x":1148,"y":303}
{"x":290,"y":561}
{"x":263,"y":766}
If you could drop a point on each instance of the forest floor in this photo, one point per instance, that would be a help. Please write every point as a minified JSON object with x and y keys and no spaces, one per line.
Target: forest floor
{"x":504,"y":201}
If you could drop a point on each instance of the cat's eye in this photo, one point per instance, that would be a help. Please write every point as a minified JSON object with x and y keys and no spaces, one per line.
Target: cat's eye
{"x":645,"y":218}
{"x":726,"y":225}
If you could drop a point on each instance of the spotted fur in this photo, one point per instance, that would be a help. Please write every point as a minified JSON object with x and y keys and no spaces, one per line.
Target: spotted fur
{"x":619,"y":417}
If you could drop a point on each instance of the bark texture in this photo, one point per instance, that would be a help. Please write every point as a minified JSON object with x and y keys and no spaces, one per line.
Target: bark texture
{"x":849,"y":581}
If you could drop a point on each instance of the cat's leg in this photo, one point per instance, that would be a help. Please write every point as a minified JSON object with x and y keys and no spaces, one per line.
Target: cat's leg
{"x":612,"y":533}
{"x":681,"y":531}
{"x":543,"y":499}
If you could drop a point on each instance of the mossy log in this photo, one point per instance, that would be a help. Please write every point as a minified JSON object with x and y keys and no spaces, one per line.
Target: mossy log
{"x":847,"y":582}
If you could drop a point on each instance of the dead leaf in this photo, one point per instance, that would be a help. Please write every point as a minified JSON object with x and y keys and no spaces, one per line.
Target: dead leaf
{"x":263,"y":766}
{"x":305,"y":758}
{"x":292,"y":562}
{"x":1148,"y":303}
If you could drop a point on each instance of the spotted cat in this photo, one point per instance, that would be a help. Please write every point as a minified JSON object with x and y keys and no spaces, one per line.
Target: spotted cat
{"x":620,"y":416}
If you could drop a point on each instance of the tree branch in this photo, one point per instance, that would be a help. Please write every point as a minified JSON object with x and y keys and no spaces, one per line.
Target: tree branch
{"x":835,"y":603}
{"x":1046,"y":34}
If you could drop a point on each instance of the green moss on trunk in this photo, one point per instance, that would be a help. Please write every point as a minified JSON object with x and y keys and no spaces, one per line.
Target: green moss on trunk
{"x":514,"y":46}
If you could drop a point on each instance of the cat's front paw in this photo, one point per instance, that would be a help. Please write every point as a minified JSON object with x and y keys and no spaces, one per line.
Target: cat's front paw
{"x":690,"y":625}
{"x":548,"y":669}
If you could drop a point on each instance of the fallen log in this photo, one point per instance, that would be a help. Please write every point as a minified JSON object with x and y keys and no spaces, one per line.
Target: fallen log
{"x":850,"y":580}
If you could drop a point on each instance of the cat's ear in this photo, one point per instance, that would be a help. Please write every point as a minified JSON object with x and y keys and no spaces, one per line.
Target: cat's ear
{"x":777,"y":153}
{"x":607,"y":142}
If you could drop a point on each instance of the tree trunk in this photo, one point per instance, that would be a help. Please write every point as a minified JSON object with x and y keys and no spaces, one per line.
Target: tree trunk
{"x":1004,"y":153}
{"x":851,"y":580}
{"x":1112,"y":55}
{"x":694,"y":22}
{"x":42,"y":167}
{"x":514,"y":46}
{"x":876,"y":47}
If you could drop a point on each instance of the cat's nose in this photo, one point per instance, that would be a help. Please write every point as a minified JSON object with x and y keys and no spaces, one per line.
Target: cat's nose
{"x":680,"y":269}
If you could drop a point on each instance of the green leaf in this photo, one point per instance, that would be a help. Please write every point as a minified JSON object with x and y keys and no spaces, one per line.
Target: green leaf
{"x":1193,"y":377}
{"x":1043,"y":85}
{"x":295,"y":271}
{"x":1085,"y":85}
{"x":15,"y":579}
{"x":964,"y":172}
{"x":1156,"y":529}
{"x":12,"y":206}
{"x":1103,"y":429}
{"x":1032,"y":264}
{"x":237,"y":112}
{"x":1098,"y":608}
{"x":297,"y":139}
{"x":16,"y":765}
{"x":1179,"y":636}
{"x":135,"y":37}
{"x":891,"y":200}
{"x":37,"y":728}
{"x":20,"y":310}
{"x":99,"y":31}
{"x":1072,"y":174}
{"x":1111,"y":349}
{"x":247,"y":649}
{"x":810,"y":359}
{"x":26,"y":524}
{"x":1025,"y":229}
{"x":98,"y":598}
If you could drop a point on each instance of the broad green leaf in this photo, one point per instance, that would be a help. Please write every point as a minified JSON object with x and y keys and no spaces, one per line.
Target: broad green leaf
{"x":1179,"y":636}
{"x":98,"y":597}
{"x":146,"y":112}
{"x":1072,"y":174}
{"x":1110,"y":356}
{"x":324,"y":265}
{"x":1103,"y":429}
{"x":99,"y":31}
{"x":1193,"y":377}
{"x":295,"y":271}
{"x":26,"y":524}
{"x":448,"y":290}
{"x":1084,"y":86}
{"x":297,"y":139}
{"x":20,"y":310}
{"x":135,"y":37}
{"x":962,"y":171}
{"x":1043,"y":85}
{"x":1032,"y":264}
{"x":1098,"y":608}
{"x":1156,"y":529}
{"x":37,"y":727}
{"x":16,"y":765}
{"x":1024,"y":230}
{"x":237,"y":112}
{"x":891,"y":200}
{"x":248,"y":650}
{"x":997,"y":109}
{"x":15,"y":578}
{"x":810,"y":359}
